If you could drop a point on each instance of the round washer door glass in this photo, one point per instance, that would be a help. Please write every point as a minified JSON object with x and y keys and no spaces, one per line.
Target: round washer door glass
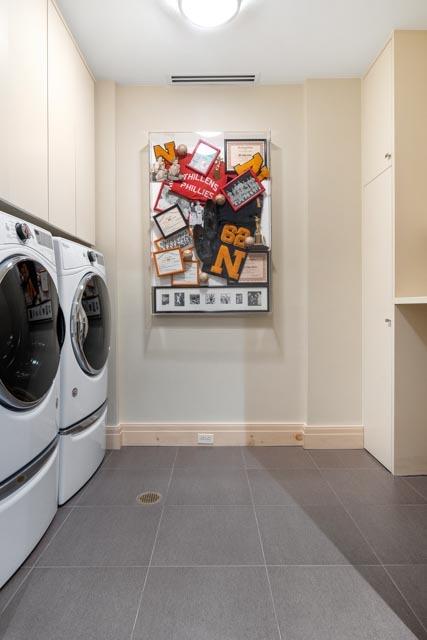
{"x":29,"y":344}
{"x":90,"y":324}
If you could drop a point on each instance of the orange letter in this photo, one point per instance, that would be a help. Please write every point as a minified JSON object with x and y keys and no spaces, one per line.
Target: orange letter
{"x":167,"y":154}
{"x":232,"y":268}
{"x":255,"y":163}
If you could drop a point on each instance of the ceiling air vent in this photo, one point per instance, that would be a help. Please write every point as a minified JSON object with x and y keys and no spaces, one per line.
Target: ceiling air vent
{"x":244,"y":78}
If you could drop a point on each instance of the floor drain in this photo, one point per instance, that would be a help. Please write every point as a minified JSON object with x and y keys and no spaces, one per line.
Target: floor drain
{"x":149,"y":497}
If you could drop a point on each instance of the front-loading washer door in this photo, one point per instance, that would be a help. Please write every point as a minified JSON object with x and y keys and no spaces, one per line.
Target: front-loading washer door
{"x":90,"y":324}
{"x":30,"y":345}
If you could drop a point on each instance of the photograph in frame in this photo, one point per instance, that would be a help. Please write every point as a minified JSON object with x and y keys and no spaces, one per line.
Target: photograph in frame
{"x":181,"y":240}
{"x":242,"y":190}
{"x":166,"y":199}
{"x":211,"y":300}
{"x":203,"y":158}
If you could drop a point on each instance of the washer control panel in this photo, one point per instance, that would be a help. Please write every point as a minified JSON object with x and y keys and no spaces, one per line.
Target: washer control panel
{"x":19,"y":232}
{"x":23,"y":231}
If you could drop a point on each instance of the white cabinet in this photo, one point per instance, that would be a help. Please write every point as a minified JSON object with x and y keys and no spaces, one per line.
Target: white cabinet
{"x":23,"y":110}
{"x":47,"y":159}
{"x":377,"y":116}
{"x":62,"y":162}
{"x":378,"y":317}
{"x":71,"y":134}
{"x":395,"y":255}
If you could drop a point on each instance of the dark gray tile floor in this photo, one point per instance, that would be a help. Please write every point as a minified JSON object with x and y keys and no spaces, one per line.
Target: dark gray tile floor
{"x":245,"y":544}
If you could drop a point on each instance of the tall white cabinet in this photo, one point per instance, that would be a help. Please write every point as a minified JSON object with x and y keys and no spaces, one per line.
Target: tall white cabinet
{"x":378,"y":311}
{"x":394,"y":154}
{"x":47,"y":163}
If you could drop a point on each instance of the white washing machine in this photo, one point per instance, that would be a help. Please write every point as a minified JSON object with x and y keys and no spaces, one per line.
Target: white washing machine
{"x":83,"y":403}
{"x":31,"y":336}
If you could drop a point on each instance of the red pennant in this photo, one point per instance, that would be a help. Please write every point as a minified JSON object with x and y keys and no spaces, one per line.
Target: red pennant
{"x":194,"y":186}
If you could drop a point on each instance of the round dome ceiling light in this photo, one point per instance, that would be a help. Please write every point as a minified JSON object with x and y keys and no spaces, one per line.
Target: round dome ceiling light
{"x":209,"y":13}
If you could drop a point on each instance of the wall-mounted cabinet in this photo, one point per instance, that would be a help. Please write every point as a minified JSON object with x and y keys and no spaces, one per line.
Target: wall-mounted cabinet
{"x":377,"y":116}
{"x":61,"y":101}
{"x":23,"y":105}
{"x":47,"y":164}
{"x":71,"y":134}
{"x":394,"y":157}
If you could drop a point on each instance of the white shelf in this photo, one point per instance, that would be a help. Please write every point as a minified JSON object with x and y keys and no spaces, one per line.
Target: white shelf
{"x":413,"y":300}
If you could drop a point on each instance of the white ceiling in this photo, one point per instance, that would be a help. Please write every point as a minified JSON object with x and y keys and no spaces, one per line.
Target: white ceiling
{"x":285,"y":41}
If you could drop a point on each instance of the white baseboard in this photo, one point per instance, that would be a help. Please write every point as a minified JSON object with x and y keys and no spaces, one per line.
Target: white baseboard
{"x":235,"y":434}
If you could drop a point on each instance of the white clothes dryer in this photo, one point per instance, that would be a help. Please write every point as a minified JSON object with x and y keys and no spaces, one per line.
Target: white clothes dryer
{"x":84,"y":363}
{"x":31,"y":337}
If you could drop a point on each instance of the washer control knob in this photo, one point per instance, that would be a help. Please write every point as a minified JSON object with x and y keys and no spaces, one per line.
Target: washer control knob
{"x":92,"y":256}
{"x":23,"y":231}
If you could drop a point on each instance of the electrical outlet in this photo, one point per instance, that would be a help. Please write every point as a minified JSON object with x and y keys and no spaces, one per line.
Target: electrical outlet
{"x":205,"y":438}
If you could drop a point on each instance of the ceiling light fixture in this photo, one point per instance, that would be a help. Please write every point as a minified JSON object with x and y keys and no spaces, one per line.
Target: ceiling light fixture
{"x":209,"y":13}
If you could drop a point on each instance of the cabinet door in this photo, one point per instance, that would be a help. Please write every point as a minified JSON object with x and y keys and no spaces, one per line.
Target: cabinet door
{"x":377,"y":318}
{"x":377,"y":116}
{"x":23,"y":52}
{"x":85,"y":153}
{"x":4,"y":47}
{"x":61,"y":105}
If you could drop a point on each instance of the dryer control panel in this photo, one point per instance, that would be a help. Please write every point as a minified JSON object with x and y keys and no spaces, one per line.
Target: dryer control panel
{"x":71,"y":255}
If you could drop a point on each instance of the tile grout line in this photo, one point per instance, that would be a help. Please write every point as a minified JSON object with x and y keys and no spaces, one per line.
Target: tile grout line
{"x":230,"y":505}
{"x":381,"y":564}
{"x":32,"y":567}
{"x":404,"y":598}
{"x":141,"y":597}
{"x":413,"y":488}
{"x":216,"y":566}
{"x":86,"y":487}
{"x":53,"y":537}
{"x":262,"y":546}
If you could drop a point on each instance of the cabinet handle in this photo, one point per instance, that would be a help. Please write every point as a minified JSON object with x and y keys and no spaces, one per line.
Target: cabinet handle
{"x":387,"y":156}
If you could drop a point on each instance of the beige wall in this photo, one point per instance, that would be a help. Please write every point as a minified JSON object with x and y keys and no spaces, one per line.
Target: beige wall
{"x":334,"y":251}
{"x":238,"y":370}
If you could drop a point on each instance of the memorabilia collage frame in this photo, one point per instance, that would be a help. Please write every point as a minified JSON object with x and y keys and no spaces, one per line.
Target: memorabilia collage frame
{"x":218,"y":237}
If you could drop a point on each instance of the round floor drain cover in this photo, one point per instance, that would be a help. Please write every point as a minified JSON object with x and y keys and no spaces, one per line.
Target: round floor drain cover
{"x":149,"y":497}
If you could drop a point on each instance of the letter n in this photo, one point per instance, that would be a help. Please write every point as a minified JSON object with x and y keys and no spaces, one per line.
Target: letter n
{"x":232,"y":267}
{"x":167,"y":153}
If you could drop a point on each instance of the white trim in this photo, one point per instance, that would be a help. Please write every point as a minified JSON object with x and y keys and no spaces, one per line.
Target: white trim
{"x":411,"y":300}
